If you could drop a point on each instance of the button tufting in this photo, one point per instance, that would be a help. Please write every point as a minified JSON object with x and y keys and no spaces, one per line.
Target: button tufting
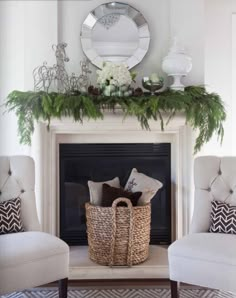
{"x":219,"y":173}
{"x":231,"y":191}
{"x":209,"y":189}
{"x":9,"y":173}
{"x":22,"y":191}
{"x":0,"y":192}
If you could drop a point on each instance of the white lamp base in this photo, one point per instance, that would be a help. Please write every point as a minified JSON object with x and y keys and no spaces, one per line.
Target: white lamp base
{"x":177,"y":64}
{"x":177,"y":85}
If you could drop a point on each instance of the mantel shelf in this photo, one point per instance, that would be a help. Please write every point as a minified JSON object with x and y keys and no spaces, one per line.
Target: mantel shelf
{"x":115,"y":121}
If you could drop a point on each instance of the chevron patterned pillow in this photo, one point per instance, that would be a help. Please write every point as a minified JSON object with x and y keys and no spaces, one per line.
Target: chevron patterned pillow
{"x":223,"y":218}
{"x":10,"y":219}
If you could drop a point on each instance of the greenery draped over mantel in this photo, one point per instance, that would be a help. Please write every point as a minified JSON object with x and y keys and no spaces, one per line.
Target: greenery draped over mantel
{"x":204,"y":111}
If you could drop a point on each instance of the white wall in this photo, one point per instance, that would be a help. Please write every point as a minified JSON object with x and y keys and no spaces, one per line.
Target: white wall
{"x":187,"y":22}
{"x":73,"y":13}
{"x":11,"y":70}
{"x":219,"y":67}
{"x":27,"y":31}
{"x":29,"y":28}
{"x":41,"y":32}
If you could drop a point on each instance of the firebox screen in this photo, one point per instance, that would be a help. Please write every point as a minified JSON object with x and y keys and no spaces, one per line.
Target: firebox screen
{"x":102,"y":162}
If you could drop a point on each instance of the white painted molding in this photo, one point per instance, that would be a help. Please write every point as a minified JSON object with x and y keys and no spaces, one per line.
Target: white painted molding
{"x":112,"y":129}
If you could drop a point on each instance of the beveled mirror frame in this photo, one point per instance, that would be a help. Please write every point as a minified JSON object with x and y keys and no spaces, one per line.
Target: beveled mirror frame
{"x":143,"y":35}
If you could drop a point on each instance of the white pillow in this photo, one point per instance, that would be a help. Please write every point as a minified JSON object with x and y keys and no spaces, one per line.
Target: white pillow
{"x":95,"y":190}
{"x":141,"y":182}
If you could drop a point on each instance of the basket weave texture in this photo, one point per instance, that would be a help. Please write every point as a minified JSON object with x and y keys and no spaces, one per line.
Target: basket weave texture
{"x":118,"y":236}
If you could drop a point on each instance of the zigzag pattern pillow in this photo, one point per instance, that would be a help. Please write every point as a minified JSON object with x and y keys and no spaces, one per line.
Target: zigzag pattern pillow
{"x":223,"y":218}
{"x":10,"y":219}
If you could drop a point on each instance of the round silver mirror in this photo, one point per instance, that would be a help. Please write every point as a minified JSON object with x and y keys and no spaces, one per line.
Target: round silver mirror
{"x":115,"y":32}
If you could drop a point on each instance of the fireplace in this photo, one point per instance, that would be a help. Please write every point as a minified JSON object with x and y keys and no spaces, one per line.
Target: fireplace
{"x":79,"y":163}
{"x":112,"y":129}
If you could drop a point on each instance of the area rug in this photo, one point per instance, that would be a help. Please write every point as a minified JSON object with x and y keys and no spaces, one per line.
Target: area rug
{"x":121,"y":293}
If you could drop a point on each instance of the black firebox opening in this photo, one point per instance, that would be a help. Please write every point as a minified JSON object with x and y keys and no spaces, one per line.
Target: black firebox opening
{"x":101,"y":162}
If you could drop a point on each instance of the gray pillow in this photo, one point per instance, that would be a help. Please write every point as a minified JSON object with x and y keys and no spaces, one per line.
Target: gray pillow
{"x":141,"y":182}
{"x":95,"y":190}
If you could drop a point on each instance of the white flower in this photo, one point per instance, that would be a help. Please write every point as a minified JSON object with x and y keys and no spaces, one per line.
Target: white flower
{"x":114,"y":74}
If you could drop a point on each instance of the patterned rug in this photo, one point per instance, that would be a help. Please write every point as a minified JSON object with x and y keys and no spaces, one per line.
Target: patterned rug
{"x":121,"y":293}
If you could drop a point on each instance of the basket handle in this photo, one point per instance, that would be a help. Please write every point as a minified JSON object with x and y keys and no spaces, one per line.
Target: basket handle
{"x":123,"y":200}
{"x":130,"y":207}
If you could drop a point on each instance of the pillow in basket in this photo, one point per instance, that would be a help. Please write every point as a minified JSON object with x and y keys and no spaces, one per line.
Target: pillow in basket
{"x":95,"y":190}
{"x":109,"y":194}
{"x":223,"y":218}
{"x":10,"y":216}
{"x":141,"y":182}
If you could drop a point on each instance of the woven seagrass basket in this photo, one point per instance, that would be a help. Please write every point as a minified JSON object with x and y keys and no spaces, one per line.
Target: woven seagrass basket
{"x":118,"y":236}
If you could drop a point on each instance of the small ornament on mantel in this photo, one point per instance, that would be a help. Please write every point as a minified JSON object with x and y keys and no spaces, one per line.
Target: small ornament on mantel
{"x":153,"y":83}
{"x":177,"y":64}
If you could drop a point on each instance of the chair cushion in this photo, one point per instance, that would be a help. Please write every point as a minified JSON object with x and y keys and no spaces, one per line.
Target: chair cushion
{"x":206,"y":247}
{"x":205,"y":259}
{"x":30,"y":259}
{"x":10,"y":216}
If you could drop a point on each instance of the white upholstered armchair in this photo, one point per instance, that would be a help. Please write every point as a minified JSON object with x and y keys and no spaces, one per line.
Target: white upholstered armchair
{"x":30,"y":258}
{"x":203,"y":258}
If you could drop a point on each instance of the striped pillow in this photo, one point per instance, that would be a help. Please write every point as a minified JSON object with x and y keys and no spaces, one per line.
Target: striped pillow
{"x":223,"y":218}
{"x":10,"y":219}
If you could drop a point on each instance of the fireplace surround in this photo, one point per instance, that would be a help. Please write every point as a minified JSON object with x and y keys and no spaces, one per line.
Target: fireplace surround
{"x":113,"y":129}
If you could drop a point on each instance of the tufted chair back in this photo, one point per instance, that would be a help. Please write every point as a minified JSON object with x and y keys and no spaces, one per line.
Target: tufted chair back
{"x":17,"y":179}
{"x":214,"y":179}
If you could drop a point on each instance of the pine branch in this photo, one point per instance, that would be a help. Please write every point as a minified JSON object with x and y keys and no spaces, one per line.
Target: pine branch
{"x":204,"y":111}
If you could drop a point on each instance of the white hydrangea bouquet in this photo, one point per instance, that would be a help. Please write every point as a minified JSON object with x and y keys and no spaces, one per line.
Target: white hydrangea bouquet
{"x":115,"y":79}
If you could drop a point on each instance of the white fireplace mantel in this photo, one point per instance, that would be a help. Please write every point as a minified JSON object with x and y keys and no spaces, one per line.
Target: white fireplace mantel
{"x":112,"y":129}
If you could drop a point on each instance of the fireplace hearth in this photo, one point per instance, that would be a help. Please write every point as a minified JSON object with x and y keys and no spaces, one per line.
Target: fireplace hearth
{"x":79,"y":163}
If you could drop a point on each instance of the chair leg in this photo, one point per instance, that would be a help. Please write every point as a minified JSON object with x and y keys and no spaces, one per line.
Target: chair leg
{"x":63,"y":284}
{"x":174,"y":289}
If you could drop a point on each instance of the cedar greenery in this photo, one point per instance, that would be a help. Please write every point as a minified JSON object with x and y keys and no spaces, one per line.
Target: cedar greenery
{"x":204,"y":111}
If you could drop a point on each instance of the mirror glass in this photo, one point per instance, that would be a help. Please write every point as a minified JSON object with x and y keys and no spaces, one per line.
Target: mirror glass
{"x":115,"y":32}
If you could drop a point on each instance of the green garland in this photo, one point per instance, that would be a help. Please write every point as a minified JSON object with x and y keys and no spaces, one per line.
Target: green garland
{"x":204,"y":111}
